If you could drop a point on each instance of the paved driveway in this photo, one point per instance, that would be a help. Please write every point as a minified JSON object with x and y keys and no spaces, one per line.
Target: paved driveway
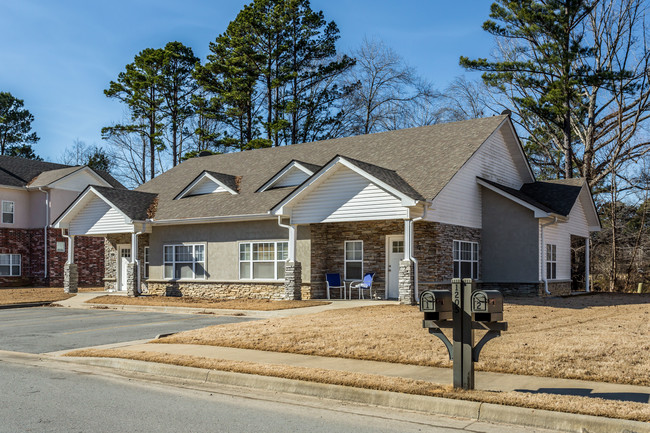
{"x":48,"y":329}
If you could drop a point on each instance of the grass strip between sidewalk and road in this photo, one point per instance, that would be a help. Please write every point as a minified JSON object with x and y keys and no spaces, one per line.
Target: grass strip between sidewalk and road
{"x":600,"y":338}
{"x":559,"y":403}
{"x":226,"y":304}
{"x":28,"y":295}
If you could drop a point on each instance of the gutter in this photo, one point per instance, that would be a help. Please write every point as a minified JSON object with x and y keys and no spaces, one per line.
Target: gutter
{"x":544,"y":254}
{"x":47,"y":223}
{"x":412,"y":257}
{"x":210,"y":219}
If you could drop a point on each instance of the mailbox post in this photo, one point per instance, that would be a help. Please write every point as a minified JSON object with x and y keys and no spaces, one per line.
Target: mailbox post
{"x":464,"y":309}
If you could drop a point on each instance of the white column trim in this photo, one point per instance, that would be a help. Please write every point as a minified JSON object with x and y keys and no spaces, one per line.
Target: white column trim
{"x":70,"y":249}
{"x":293,"y":229}
{"x":587,"y":253}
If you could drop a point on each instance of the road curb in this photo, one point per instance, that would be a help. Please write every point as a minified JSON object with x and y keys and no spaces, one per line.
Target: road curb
{"x":433,"y":405}
{"x":26,"y":305}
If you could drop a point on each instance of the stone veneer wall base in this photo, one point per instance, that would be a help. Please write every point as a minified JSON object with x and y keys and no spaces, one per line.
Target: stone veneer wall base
{"x":70,"y":278}
{"x":293,"y":281}
{"x":406,"y":282}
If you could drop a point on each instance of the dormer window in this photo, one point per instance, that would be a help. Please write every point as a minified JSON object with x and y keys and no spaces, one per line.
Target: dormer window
{"x":210,"y":183}
{"x":293,"y":174}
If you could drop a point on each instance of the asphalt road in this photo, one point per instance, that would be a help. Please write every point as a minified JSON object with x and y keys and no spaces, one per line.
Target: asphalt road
{"x":52,"y":399}
{"x":49,"y":329}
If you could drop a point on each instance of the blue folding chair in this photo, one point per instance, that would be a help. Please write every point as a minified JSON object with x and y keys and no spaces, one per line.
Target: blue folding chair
{"x":366,"y":284}
{"x":334,"y":281}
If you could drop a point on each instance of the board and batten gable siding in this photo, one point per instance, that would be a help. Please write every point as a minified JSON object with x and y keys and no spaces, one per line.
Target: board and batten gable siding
{"x":97,"y":218}
{"x":205,"y":186}
{"x":293,"y":177}
{"x":499,"y":160}
{"x":346,"y":196}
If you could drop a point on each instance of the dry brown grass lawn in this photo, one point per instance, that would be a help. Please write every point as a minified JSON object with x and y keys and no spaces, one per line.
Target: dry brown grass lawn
{"x":570,"y":404}
{"x":23,"y":295}
{"x":230,"y":304}
{"x":601,"y":337}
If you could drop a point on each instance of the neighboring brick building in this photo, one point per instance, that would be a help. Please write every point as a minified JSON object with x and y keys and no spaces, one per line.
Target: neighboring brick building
{"x":416,"y":207}
{"x":32,"y":195}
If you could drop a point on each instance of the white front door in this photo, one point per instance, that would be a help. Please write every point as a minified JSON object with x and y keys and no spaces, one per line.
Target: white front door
{"x":394,"y":254}
{"x":124,"y":258}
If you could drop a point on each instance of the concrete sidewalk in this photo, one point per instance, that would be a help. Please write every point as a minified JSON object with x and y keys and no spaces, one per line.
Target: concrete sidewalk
{"x":79,"y":301}
{"x":484,"y":380}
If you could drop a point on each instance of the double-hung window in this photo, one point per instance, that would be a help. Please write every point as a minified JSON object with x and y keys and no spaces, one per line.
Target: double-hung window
{"x":551,"y":261}
{"x":465,"y":259}
{"x":145,"y":270}
{"x":353,"y":260}
{"x":7,"y":212}
{"x":184,"y":262}
{"x":10,"y":265}
{"x":262,"y":260}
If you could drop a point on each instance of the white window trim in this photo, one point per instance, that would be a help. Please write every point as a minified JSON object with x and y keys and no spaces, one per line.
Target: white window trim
{"x":145,"y":261}
{"x":12,"y":264}
{"x":173,"y":262}
{"x":251,"y":261}
{"x":551,"y":261}
{"x":345,"y":259}
{"x":473,"y":260}
{"x":13,"y":212}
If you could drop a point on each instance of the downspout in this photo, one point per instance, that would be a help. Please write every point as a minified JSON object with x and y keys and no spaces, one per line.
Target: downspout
{"x":135,"y":255}
{"x":543,"y":248}
{"x":412,"y":257}
{"x":47,"y":223}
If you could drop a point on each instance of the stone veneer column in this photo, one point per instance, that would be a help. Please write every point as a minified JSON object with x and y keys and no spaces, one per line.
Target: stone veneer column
{"x":70,"y":278}
{"x":292,"y":280}
{"x":406,"y":283}
{"x":132,"y":279}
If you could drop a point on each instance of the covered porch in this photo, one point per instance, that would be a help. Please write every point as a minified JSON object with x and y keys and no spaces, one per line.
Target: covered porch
{"x":361,"y":219}
{"x":118,"y":216}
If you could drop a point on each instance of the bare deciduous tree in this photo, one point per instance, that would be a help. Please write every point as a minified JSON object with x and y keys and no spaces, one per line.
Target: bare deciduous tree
{"x":388,"y":94}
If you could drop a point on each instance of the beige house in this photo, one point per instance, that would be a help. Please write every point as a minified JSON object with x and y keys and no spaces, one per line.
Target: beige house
{"x":416,"y":207}
{"x":32,"y":195}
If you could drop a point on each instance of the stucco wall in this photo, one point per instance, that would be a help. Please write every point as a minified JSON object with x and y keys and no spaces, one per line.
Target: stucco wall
{"x":222,"y":245}
{"x":510,"y":241}
{"x":22,"y":208}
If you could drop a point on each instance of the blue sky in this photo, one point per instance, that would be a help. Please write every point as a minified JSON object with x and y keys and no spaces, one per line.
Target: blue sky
{"x":59,"y":56}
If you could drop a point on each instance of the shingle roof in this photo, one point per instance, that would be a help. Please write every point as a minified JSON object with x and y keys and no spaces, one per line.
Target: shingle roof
{"x":559,"y":195}
{"x":424,"y":158}
{"x":15,"y":171}
{"x":135,"y":204}
{"x":19,"y":171}
{"x":227,"y":179}
{"x":389,"y":177}
{"x":552,"y":196}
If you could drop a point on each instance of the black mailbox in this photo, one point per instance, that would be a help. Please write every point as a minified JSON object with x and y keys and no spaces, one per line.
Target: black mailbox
{"x":487,"y":306}
{"x":436,"y":305}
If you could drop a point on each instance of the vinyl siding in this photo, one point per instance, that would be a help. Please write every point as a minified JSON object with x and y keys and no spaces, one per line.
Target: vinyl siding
{"x":558,"y":234}
{"x":346,"y":196}
{"x":578,"y":224}
{"x":459,"y":203}
{"x":97,"y":218}
{"x":293,"y":177}
{"x":205,"y":186}
{"x":78,"y":181}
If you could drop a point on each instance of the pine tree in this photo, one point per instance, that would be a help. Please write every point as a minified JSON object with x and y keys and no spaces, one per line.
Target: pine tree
{"x":16,"y":135}
{"x":140,"y":88}
{"x":177,"y":88}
